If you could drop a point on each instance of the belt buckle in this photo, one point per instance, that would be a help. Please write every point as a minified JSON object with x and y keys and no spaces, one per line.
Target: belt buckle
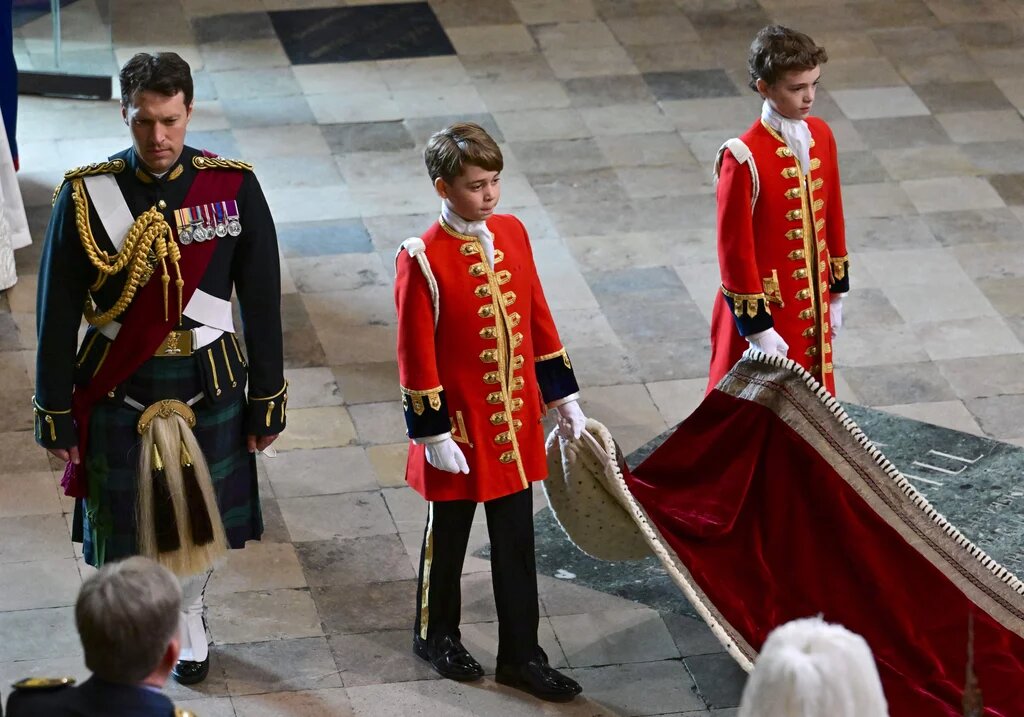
{"x":177,"y":343}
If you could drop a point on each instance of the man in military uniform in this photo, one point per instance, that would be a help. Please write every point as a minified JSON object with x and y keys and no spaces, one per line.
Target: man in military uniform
{"x":150,"y":412}
{"x":127,"y":619}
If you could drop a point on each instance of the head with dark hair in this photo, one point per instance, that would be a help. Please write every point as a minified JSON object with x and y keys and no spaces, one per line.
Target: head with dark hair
{"x":156,"y":104}
{"x":164,"y":73}
{"x":777,"y":50}
{"x":785,"y":67}
{"x":464,"y":163}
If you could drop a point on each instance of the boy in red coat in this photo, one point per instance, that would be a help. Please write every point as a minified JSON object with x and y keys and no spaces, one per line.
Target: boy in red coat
{"x":781,"y":235}
{"x":479,"y":360}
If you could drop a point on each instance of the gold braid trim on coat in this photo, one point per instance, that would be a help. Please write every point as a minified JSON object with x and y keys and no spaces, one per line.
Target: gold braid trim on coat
{"x":148,"y":240}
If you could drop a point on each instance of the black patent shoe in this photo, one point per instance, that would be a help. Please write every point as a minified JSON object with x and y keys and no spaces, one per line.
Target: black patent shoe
{"x":187,"y":672}
{"x":539,"y":679}
{"x":448,"y":658}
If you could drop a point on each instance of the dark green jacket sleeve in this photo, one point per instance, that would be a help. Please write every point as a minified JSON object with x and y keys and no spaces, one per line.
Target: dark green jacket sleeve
{"x":256,"y":272}
{"x":64,"y":278}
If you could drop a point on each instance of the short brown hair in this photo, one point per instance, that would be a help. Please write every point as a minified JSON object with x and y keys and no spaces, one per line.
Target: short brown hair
{"x":126,"y":615}
{"x":165,"y":73}
{"x":777,"y":50}
{"x":457,"y":145}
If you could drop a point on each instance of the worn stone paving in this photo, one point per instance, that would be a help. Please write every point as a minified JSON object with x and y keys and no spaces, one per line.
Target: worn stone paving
{"x":609,"y":113}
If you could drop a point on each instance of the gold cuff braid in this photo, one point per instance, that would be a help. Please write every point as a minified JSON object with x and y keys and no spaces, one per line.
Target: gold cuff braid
{"x":149,"y":240}
{"x":746,"y":303}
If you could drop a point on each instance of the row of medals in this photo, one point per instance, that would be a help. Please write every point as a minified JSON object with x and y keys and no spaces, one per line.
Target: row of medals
{"x":201,"y":231}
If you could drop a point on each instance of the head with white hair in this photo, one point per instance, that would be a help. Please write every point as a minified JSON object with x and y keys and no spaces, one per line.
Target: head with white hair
{"x":809,"y":668}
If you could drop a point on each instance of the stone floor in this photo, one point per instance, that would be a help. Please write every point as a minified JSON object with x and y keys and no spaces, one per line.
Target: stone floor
{"x":609,"y":113}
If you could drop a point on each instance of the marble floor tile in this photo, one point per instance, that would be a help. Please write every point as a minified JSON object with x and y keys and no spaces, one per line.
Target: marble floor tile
{"x":394,"y":601}
{"x":999,"y":416}
{"x":38,"y":634}
{"x":925,"y":162}
{"x":913,"y":267}
{"x":876,"y":346}
{"x":26,"y":494}
{"x":378,"y":423}
{"x":640,"y":150}
{"x":1004,"y":294}
{"x":719,"y":679}
{"x":278,"y":666}
{"x":609,"y":90}
{"x":677,"y":399}
{"x":491,"y":38}
{"x":303,"y":703}
{"x":652,"y":29}
{"x":262,"y":616}
{"x":969,"y":227}
{"x":339,"y":272}
{"x":21,"y":454}
{"x":344,"y":515}
{"x":367,"y":383}
{"x":862,"y":72}
{"x":997,"y":260}
{"x":1009,"y":186}
{"x":692,"y":635}
{"x":690,"y":84}
{"x":966,"y":338}
{"x":589,"y":62}
{"x":536,"y":12}
{"x":423,"y":697}
{"x":419,"y":72}
{"x":378,"y":658}
{"x":948,"y":414}
{"x":481,"y":639}
{"x":250,"y":83}
{"x":531,"y":125}
{"x":872,"y":103}
{"x":261,"y":566}
{"x":918,"y":304}
{"x":620,"y":405}
{"x":984,"y":376}
{"x":672,"y":57}
{"x":389,"y":463}
{"x":971,"y":96}
{"x":376,"y":105}
{"x":39,"y":584}
{"x":878,"y":199}
{"x":517,"y":96}
{"x":899,"y":384}
{"x":320,"y":472}
{"x":323,"y":427}
{"x":34,"y":537}
{"x":358,"y":344}
{"x":900,"y":132}
{"x":573,"y":35}
{"x":699,"y":115}
{"x":637,"y":636}
{"x":983,"y":126}
{"x":312,"y":387}
{"x":354,"y":561}
{"x":951,"y":194}
{"x":208,"y":706}
{"x":409,"y":509}
{"x":626,"y":119}
{"x":343,"y":78}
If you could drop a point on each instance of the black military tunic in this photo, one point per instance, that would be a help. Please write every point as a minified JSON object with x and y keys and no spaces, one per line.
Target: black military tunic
{"x":93,"y":698}
{"x":248,"y":264}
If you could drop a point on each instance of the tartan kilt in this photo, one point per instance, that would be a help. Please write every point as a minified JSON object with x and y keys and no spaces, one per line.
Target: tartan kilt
{"x":105,"y":521}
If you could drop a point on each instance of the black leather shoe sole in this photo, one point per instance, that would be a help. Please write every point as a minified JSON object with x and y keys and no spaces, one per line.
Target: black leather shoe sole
{"x":459,"y":673}
{"x":187,"y":672}
{"x":512,"y":677}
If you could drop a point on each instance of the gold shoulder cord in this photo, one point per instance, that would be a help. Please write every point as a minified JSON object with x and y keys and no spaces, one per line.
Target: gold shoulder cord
{"x":114,"y":166}
{"x":204,"y":162}
{"x":149,"y":239}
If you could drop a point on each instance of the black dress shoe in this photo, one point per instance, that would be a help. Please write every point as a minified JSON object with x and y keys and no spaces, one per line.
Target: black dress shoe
{"x":539,"y":679}
{"x":187,"y":672}
{"x":448,"y":657}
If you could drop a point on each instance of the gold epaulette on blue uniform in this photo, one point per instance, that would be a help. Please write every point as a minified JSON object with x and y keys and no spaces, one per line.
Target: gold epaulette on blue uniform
{"x":178,"y":712}
{"x":113,"y":166}
{"x":43,"y":683}
{"x":203,"y":162}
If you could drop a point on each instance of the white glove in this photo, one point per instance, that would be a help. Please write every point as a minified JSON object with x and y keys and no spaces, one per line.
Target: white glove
{"x":770,"y":342}
{"x":835,"y":310}
{"x":445,"y":455}
{"x":571,"y":420}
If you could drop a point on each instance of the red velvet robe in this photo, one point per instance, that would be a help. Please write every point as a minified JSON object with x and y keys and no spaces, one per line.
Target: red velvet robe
{"x":780,"y":263}
{"x":476,"y":371}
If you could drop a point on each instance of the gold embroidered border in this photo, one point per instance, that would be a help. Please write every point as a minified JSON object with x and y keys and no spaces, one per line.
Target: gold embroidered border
{"x":839,"y":264}
{"x":746,"y":303}
{"x":433,"y":396}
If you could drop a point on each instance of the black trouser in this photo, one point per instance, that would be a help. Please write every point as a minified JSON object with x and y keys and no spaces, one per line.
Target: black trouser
{"x":513,"y":572}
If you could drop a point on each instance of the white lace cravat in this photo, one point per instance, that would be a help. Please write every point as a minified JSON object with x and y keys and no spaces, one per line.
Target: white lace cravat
{"x":795,"y":132}
{"x":473,"y":229}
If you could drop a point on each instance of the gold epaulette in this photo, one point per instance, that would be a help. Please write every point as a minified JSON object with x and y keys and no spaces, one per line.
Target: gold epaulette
{"x":43,"y":683}
{"x":204,"y":162}
{"x":179,"y":712}
{"x":113,"y":166}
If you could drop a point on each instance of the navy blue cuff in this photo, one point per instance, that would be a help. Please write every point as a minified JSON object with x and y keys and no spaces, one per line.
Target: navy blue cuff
{"x":426,"y":412}
{"x":555,"y":377}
